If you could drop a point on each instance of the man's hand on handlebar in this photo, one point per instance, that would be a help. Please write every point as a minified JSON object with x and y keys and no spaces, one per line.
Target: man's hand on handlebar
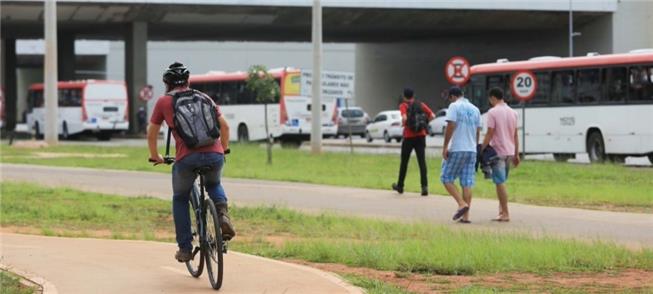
{"x":158,"y":159}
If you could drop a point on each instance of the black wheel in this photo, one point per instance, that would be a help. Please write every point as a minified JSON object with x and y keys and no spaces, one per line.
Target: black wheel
{"x":386,"y":137}
{"x":363,"y":135}
{"x":196,"y":265}
{"x":243,"y":133}
{"x":213,"y":245}
{"x":37,"y":131}
{"x":64,"y":131}
{"x":104,"y":136}
{"x":650,"y":158}
{"x":615,"y":158}
{"x":562,"y":157}
{"x":369,"y":137}
{"x":595,"y":147}
{"x":398,"y":140}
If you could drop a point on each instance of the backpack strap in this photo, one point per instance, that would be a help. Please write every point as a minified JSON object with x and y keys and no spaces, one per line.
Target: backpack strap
{"x":174,"y":94}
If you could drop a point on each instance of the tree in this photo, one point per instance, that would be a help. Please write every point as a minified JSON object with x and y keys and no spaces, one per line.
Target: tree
{"x":266,"y":89}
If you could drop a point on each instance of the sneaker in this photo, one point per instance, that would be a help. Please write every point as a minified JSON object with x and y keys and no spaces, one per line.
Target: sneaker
{"x":183,"y":256}
{"x":228,"y":231}
{"x":425,"y":191}
{"x":399,"y":190}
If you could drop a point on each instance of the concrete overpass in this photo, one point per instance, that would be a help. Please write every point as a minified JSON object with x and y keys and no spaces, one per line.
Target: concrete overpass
{"x":399,"y":42}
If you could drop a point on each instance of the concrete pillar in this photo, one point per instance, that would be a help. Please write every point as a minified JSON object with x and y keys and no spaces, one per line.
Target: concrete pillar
{"x":9,"y":82}
{"x":66,"y":55}
{"x":135,"y":68}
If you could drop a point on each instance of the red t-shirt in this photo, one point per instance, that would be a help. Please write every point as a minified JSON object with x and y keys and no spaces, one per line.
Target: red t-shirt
{"x":408,"y":133}
{"x":163,"y":111}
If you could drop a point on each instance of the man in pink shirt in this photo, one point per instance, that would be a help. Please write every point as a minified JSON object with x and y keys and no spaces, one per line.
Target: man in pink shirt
{"x":502,"y":136}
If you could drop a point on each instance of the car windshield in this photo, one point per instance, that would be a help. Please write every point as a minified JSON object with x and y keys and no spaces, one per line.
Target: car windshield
{"x":352,"y":113}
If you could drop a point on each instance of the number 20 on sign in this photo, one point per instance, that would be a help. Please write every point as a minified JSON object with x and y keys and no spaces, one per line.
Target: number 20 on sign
{"x":523,"y":85}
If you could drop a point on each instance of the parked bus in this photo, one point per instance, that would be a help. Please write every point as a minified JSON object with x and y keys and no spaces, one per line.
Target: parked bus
{"x":598,"y":104}
{"x":94,"y":106}
{"x":289,"y":115}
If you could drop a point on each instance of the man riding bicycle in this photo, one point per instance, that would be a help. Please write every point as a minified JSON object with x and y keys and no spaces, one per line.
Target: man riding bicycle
{"x":187,"y":158}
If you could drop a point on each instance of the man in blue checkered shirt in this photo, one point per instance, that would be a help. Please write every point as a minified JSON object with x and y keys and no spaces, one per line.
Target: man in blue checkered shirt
{"x":459,"y":150}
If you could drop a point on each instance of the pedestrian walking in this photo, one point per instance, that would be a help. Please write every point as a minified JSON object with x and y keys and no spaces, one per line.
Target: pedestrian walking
{"x":459,"y":150}
{"x":501,"y":135}
{"x":415,"y":117}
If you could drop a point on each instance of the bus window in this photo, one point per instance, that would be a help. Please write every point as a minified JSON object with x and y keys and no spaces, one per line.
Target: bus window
{"x":70,"y":97}
{"x":543,"y":90}
{"x":35,"y":99}
{"x":229,"y":93}
{"x":477,"y":93}
{"x":589,"y":86}
{"x":641,"y":86}
{"x":615,"y":80}
{"x":563,"y":87}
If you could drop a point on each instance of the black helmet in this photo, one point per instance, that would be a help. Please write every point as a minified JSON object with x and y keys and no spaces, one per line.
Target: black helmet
{"x":176,"y":75}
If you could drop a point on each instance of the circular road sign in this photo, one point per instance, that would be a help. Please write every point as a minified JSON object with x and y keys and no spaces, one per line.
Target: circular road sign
{"x":146,"y":93}
{"x":457,"y":70}
{"x":523,"y":85}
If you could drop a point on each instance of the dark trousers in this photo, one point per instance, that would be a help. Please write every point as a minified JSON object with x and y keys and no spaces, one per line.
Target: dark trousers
{"x":407,"y":146}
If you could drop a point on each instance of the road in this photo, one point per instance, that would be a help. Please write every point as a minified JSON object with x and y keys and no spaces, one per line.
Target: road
{"x":111,"y":266}
{"x":631,"y":229}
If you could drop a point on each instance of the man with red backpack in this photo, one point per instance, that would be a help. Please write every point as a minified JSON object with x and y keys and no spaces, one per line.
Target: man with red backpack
{"x":415,"y":117}
{"x":201,"y":139}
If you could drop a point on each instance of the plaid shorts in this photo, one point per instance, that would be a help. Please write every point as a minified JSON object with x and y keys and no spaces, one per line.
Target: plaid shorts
{"x":459,"y":165}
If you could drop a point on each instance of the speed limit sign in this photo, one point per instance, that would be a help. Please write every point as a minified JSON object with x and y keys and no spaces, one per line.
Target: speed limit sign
{"x":523,"y":85}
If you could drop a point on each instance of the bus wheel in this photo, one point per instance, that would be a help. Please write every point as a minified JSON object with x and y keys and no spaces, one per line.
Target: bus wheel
{"x":595,"y":147}
{"x":650,"y":157}
{"x":562,"y":157}
{"x":104,"y":136}
{"x":243,"y":133}
{"x":64,"y":131}
{"x":37,"y":131}
{"x":615,"y":158}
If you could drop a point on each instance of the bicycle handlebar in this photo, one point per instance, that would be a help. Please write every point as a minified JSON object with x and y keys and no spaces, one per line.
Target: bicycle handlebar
{"x":166,"y":160}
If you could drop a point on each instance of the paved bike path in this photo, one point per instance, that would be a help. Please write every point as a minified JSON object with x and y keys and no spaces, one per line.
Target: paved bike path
{"x":118,"y":266}
{"x":631,"y":229}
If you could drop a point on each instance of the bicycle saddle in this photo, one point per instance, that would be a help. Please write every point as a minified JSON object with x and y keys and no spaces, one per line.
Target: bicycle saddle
{"x":203,"y":169}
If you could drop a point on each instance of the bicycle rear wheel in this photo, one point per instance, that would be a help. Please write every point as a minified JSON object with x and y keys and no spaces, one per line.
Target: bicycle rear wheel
{"x":195,"y":265}
{"x":213,"y":245}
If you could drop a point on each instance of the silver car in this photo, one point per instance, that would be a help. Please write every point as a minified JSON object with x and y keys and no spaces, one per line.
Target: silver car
{"x":354,"y":118}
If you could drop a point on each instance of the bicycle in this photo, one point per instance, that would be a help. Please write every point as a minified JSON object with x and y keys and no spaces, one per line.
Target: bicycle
{"x":206,"y":231}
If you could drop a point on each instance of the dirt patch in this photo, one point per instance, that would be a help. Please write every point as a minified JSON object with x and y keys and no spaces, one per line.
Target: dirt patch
{"x":103,"y":234}
{"x":631,"y":280}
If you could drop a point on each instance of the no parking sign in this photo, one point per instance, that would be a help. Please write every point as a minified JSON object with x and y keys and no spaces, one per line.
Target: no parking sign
{"x":457,"y":70}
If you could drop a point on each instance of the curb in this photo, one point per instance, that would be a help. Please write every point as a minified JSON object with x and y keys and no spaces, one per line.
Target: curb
{"x":46,"y":287}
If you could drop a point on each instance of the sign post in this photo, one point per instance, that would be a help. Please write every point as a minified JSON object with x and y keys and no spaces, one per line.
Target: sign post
{"x":523,"y":86}
{"x":457,"y":71}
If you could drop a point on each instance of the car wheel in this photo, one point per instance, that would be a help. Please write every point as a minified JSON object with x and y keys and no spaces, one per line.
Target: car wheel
{"x":595,"y":147}
{"x":64,"y":131}
{"x":369,"y":137}
{"x":386,"y":137}
{"x":398,"y":139}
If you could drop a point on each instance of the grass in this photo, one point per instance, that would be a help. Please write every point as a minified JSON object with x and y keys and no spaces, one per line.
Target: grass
{"x":10,"y":284}
{"x":374,"y":286}
{"x":597,"y":186}
{"x":282,"y":233}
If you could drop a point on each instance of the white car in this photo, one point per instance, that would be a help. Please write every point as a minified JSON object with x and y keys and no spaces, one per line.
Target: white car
{"x":439,"y":124}
{"x":386,"y":125}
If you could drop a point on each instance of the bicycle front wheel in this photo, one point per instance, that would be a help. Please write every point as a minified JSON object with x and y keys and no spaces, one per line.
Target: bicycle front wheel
{"x":213,"y":245}
{"x":195,"y":265}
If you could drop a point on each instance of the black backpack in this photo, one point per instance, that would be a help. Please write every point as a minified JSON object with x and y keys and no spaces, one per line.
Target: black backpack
{"x":195,"y":118}
{"x":416,"y":120}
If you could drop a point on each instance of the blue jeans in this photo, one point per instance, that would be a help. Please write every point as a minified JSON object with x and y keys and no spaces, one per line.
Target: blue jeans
{"x":183,"y":178}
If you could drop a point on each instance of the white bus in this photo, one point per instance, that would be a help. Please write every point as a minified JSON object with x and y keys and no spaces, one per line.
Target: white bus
{"x":289,"y":116}
{"x":95,"y":106}
{"x":600,"y":105}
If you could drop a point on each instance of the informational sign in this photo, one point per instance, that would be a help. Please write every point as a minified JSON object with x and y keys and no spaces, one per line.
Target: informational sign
{"x":146,"y":93}
{"x":334,"y":84}
{"x":523,"y":85}
{"x":457,"y":71}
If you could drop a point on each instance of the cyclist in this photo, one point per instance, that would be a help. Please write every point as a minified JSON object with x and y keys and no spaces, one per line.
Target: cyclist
{"x":187,"y":159}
